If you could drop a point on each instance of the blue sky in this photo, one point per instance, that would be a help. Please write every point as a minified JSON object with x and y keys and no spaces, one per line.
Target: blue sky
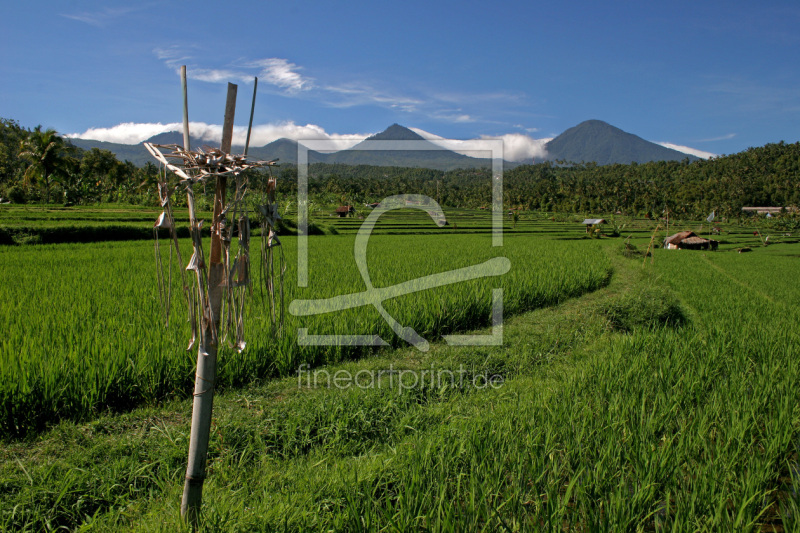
{"x":715,"y":76}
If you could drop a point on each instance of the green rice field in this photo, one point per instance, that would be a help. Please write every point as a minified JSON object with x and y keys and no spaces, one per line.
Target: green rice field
{"x":80,"y":342}
{"x":636,"y":393}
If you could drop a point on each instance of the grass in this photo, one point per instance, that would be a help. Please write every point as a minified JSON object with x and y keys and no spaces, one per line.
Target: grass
{"x":79,"y":342}
{"x":23,"y":224}
{"x":646,"y":306}
{"x":655,"y":428}
{"x":613,"y":415}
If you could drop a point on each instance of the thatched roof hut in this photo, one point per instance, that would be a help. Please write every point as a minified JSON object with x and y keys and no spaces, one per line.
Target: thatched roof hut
{"x":689,"y":240}
{"x":345,"y":210}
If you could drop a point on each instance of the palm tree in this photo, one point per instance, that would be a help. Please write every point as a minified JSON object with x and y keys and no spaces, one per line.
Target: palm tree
{"x":44,"y":150}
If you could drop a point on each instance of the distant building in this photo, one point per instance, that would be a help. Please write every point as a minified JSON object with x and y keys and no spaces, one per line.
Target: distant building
{"x":689,"y":240}
{"x":591,"y":222}
{"x":374,"y":205}
{"x":345,"y":210}
{"x":769,"y":210}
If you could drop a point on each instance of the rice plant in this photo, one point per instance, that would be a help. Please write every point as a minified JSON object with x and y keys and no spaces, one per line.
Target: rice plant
{"x":83,"y":333}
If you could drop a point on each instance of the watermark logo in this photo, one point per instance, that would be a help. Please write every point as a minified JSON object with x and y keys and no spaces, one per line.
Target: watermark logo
{"x":400,"y":379}
{"x":375,"y":296}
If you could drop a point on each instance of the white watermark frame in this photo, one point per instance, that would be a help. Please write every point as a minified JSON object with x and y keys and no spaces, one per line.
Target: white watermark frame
{"x":375,"y":296}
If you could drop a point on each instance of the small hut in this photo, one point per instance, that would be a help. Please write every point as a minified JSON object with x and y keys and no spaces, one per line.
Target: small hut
{"x":592,"y":222}
{"x":689,"y":240}
{"x":345,"y":210}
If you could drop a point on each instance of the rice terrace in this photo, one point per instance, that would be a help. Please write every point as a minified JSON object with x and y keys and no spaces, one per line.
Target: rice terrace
{"x":630,"y":391}
{"x":393,"y":332}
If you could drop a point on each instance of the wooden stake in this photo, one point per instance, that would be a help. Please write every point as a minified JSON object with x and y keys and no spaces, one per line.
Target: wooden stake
{"x":207,"y":352}
{"x":252,"y":110}
{"x":186,"y":144}
{"x":185,"y":111}
{"x":227,"y":125}
{"x":222,"y":181}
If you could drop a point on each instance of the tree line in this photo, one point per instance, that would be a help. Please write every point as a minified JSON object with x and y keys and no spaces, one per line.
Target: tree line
{"x":762,"y":176}
{"x":41,"y":166}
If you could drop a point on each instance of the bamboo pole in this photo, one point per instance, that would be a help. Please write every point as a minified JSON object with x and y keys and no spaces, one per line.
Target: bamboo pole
{"x":252,"y":110}
{"x":222,"y":181}
{"x":186,"y":144}
{"x":185,"y":111}
{"x":207,"y":352}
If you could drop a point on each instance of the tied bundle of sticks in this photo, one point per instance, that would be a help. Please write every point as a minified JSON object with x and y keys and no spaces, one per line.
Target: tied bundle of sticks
{"x":269,"y":240}
{"x":216,"y":296}
{"x":193,"y":167}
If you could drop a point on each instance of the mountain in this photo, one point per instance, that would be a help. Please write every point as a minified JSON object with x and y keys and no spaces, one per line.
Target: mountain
{"x":175,"y":137}
{"x":593,"y":140}
{"x":396,"y":132}
{"x":135,"y":153}
{"x":598,"y":141}
{"x":283,"y":149}
{"x":434,"y":157}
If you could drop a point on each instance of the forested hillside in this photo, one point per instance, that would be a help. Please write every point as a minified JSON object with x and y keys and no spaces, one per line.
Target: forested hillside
{"x":764,"y":176}
{"x":40,"y":166}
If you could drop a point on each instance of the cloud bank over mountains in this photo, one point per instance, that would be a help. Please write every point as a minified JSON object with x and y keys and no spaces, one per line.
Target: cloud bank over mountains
{"x":134,"y":133}
{"x":517,"y":146}
{"x":290,"y":80}
{"x":689,"y":150}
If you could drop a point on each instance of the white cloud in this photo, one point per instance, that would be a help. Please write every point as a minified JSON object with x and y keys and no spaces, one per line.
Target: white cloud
{"x":459,"y":99}
{"x":267,"y":133}
{"x":427,"y":135}
{"x":356,"y":94}
{"x":453,"y":116}
{"x":516,"y":146}
{"x":272,"y":70}
{"x":519,"y":147}
{"x":216,"y":75}
{"x":100,"y":17}
{"x":725,"y":137}
{"x":282,"y":73}
{"x":134,"y":133}
{"x":688,"y":150}
{"x":290,"y":80}
{"x":127,"y":132}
